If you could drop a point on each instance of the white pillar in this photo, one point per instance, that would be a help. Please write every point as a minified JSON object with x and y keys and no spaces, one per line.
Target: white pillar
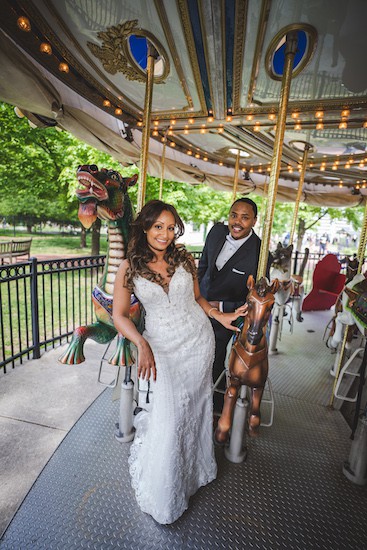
{"x":125,"y":430}
{"x":355,"y":468}
{"x":237,"y":452}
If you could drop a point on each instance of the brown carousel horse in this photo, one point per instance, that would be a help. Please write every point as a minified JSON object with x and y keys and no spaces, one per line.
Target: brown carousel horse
{"x":248,"y":361}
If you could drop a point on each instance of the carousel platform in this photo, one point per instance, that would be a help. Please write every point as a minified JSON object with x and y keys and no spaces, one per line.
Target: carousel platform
{"x":289,"y":493}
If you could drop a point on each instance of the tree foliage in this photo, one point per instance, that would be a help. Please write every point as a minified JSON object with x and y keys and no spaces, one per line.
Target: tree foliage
{"x":37,"y":176}
{"x":37,"y":171}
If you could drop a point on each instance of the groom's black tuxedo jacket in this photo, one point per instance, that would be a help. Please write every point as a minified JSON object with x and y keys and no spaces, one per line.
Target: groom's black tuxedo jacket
{"x":229,"y":285}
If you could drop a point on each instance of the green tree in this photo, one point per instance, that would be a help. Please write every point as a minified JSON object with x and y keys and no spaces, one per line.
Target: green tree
{"x":308,"y":218}
{"x":37,"y":172}
{"x":29,"y":167}
{"x":37,"y":175}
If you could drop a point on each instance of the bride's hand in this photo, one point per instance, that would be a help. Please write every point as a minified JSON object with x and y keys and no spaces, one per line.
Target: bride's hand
{"x":226,"y":319}
{"x":146,"y":362}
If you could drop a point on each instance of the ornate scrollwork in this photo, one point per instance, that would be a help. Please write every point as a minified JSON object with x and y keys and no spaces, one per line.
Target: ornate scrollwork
{"x":112,"y":53}
{"x":116,"y":56}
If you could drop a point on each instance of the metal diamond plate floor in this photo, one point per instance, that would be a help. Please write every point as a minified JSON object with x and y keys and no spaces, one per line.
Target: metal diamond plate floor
{"x":290,"y":492}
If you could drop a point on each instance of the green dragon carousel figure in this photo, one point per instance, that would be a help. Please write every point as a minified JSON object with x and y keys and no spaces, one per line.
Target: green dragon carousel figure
{"x":103,"y":194}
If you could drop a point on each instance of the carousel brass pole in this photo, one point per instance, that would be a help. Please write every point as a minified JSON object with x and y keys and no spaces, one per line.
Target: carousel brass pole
{"x":152,"y":52}
{"x":263,"y":209}
{"x":362,"y":241}
{"x":236,"y":170}
{"x":290,"y":51}
{"x":162,"y":165}
{"x":299,"y":192}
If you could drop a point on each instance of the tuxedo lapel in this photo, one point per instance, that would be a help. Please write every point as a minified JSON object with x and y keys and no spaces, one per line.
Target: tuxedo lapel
{"x":246,"y":248}
{"x":217,"y":248}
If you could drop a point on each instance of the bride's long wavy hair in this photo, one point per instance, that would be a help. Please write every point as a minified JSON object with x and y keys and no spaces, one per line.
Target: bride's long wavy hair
{"x":139,"y":254}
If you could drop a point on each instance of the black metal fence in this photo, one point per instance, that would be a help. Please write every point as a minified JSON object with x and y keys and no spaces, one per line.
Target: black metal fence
{"x":312,"y":260}
{"x":42,"y":302}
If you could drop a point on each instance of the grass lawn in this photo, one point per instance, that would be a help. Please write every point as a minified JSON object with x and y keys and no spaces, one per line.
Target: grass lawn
{"x":62,"y":244}
{"x":54,"y":243}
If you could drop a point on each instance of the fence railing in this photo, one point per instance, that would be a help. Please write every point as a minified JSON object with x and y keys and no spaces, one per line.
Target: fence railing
{"x":42,"y":302}
{"x":313,"y":258}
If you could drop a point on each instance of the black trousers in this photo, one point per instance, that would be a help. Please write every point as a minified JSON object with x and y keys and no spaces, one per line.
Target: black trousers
{"x":222,"y":337}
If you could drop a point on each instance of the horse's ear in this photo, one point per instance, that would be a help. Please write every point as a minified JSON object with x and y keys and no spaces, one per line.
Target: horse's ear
{"x":250,"y":282}
{"x":274,"y":286}
{"x":131,"y":181}
{"x":290,"y":247}
{"x":279,"y":245}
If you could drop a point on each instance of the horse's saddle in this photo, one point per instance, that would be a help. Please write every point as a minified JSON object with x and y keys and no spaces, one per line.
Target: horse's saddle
{"x":358,"y":301}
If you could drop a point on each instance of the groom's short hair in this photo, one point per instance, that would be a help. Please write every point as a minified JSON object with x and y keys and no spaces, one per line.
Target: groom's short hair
{"x":247,"y":201}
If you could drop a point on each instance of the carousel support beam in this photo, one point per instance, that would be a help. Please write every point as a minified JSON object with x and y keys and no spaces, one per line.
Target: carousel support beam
{"x":299,"y":191}
{"x":290,"y":51}
{"x":162,"y":165}
{"x":362,"y":241}
{"x":152,"y":55}
{"x":236,"y":170}
{"x":263,"y":208}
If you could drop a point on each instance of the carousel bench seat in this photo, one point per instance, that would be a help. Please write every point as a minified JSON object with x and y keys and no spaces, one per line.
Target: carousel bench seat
{"x":328,"y":283}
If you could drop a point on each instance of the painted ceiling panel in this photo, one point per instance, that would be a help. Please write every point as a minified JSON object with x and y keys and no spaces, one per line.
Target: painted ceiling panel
{"x":214,"y":94}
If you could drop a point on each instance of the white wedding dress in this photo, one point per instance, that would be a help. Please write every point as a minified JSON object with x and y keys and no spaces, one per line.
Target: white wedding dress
{"x":172,"y":454}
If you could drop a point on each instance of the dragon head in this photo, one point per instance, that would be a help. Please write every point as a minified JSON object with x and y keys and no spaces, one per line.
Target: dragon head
{"x":101,"y":193}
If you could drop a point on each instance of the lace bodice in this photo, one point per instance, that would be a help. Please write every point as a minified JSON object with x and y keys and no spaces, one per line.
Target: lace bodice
{"x":174,"y":313}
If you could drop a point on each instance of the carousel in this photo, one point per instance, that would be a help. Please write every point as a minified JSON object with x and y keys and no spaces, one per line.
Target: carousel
{"x":266,"y":97}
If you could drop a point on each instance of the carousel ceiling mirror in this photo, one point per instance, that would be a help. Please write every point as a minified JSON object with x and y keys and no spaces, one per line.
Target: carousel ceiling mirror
{"x":275,"y":55}
{"x":137,"y":45}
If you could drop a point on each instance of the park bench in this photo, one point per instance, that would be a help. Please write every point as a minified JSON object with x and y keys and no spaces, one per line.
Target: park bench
{"x":13,"y":249}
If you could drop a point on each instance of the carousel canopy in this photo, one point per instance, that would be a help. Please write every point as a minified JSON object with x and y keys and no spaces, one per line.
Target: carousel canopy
{"x":218,"y":65}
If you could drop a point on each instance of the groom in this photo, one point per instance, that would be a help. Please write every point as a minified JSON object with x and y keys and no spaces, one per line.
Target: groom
{"x":230,"y":255}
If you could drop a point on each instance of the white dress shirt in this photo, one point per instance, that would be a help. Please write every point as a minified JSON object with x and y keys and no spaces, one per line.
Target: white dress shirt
{"x":230,"y":246}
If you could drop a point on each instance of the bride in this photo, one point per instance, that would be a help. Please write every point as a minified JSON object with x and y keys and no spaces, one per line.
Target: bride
{"x":172,"y":454}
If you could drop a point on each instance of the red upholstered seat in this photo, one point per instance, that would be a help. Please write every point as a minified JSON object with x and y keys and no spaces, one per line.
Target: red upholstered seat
{"x":328,"y":282}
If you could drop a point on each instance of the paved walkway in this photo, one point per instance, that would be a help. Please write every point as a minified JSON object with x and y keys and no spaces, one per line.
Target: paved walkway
{"x":290,"y":493}
{"x":40,"y":401}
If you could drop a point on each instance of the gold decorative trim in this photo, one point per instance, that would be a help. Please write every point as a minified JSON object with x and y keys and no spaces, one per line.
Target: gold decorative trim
{"x":307,"y":105}
{"x":312,"y":43}
{"x":238,"y":51}
{"x":224,"y":64}
{"x":205,"y":45}
{"x":264,"y":17}
{"x":186,"y":25}
{"x":115,"y":53}
{"x":174,"y":53}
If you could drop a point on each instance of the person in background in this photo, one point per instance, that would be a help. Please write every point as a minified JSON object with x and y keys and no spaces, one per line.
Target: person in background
{"x":231,"y":253}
